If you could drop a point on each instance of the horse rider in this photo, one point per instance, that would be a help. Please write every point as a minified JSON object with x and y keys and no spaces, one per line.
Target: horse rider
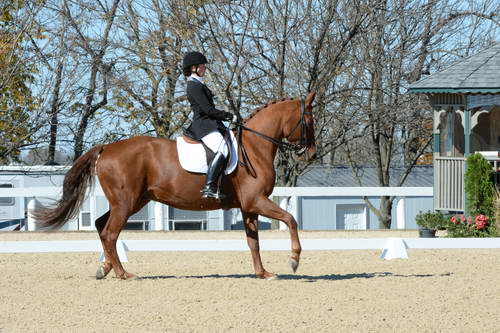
{"x":207,"y":120}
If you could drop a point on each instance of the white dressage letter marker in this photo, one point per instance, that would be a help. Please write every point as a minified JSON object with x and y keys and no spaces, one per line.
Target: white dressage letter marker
{"x":395,"y":248}
{"x":120,"y":249}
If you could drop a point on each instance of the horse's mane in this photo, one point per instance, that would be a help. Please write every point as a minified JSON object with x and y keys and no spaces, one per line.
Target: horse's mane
{"x":254,"y":112}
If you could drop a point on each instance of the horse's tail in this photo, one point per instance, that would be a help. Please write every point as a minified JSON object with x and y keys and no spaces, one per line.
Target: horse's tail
{"x":76,"y":181}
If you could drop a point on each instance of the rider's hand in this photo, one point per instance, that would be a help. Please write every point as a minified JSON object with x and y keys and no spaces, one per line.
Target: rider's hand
{"x":231,"y":117}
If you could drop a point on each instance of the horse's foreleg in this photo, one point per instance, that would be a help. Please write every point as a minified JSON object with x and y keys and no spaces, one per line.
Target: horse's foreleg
{"x":110,"y":234}
{"x":252,"y":231}
{"x":264,"y":206}
{"x":105,"y":268}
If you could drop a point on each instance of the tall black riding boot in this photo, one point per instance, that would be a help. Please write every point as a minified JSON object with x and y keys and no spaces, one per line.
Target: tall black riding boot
{"x":213,"y":172}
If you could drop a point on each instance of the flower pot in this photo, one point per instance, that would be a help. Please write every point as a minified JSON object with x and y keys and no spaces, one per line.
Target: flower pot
{"x":426,"y":233}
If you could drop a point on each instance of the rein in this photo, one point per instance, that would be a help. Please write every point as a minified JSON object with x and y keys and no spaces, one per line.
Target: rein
{"x":299,"y":149}
{"x":282,"y":145}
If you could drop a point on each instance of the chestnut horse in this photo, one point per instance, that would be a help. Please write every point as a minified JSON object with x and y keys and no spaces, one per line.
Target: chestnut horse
{"x":134,"y":171}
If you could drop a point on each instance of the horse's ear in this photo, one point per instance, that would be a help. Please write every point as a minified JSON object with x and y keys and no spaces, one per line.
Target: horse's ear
{"x":310,"y":98}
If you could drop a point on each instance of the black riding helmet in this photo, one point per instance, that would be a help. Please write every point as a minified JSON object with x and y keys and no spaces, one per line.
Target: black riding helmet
{"x":192,"y":59}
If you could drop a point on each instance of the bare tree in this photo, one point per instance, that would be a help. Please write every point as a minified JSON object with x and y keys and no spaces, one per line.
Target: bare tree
{"x":268,"y":50}
{"x":55,"y":103}
{"x":148,"y":76}
{"x":94,"y":48}
{"x":324,"y":50}
{"x":58,"y":80}
{"x":112,"y":68}
{"x":406,"y":40}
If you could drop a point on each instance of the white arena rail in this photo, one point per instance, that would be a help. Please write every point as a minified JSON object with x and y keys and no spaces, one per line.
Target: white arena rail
{"x":392,"y":248}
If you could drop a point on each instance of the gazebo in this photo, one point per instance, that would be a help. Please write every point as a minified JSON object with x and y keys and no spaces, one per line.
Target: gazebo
{"x":465,"y":98}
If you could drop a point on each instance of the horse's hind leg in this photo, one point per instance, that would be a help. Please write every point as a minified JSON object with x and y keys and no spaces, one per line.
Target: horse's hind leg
{"x":251,"y":229}
{"x":105,"y":268}
{"x":109,"y":236}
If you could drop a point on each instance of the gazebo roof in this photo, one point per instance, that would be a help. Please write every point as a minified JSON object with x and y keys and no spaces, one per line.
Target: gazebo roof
{"x":477,"y":74}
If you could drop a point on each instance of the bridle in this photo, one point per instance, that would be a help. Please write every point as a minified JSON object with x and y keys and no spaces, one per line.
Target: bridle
{"x":304,"y":141}
{"x":299,"y":148}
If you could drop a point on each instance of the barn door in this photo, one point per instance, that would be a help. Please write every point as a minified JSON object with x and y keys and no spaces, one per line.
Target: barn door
{"x":351,"y":217}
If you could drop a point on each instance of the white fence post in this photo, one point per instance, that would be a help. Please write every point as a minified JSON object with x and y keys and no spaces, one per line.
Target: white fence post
{"x":284,"y":205}
{"x":93,"y":208}
{"x":32,"y":205}
{"x":400,"y":213}
{"x":294,"y":207}
{"x":158,"y":216}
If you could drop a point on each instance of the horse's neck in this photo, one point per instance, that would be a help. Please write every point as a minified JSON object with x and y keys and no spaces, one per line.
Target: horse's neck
{"x":268,"y":122}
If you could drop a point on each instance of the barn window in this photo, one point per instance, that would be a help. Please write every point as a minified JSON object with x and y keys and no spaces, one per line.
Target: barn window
{"x":180,"y":219}
{"x":6,"y":201}
{"x":85,"y":219}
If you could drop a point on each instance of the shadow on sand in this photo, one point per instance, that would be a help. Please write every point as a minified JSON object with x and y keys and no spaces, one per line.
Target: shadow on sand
{"x":304,"y":278}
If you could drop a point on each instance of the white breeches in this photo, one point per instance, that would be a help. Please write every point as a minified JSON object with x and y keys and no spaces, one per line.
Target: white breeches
{"x":215,"y":141}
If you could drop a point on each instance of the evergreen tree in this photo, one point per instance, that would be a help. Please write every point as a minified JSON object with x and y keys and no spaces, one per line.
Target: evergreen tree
{"x":478,"y":185}
{"x":15,"y":75}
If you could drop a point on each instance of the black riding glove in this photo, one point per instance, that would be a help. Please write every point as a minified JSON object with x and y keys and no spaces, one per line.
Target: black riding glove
{"x":231,"y":117}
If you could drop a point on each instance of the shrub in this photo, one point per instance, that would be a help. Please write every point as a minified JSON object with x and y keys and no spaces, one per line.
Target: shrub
{"x":496,"y":208}
{"x":431,"y":220}
{"x":478,"y":186}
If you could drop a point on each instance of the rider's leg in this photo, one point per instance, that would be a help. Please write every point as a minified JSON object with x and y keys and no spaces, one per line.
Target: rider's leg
{"x":213,"y":172}
{"x":216,"y":143}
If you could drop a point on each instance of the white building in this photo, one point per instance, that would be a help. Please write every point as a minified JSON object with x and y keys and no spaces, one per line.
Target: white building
{"x":325,"y":199}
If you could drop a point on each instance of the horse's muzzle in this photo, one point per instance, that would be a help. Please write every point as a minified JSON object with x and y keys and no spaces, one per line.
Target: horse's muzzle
{"x":306,"y":153}
{"x":311,"y":154}
{"x":301,"y":151}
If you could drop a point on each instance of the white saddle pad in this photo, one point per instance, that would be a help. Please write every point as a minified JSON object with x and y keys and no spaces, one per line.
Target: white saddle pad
{"x":193,"y":158}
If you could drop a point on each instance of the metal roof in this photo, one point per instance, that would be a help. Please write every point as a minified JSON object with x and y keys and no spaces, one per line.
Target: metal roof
{"x":420,"y":176}
{"x":477,"y":74}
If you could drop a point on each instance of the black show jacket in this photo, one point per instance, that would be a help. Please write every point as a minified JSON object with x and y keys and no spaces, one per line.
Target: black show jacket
{"x":206,"y":118}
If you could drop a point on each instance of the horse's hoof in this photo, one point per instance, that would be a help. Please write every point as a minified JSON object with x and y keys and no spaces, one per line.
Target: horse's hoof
{"x":128,"y":277}
{"x":267,"y":276}
{"x":132,"y":277}
{"x":294,"y":264}
{"x":101,"y":273}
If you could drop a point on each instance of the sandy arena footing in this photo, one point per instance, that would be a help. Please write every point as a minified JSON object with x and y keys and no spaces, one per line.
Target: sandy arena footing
{"x":344,"y":291}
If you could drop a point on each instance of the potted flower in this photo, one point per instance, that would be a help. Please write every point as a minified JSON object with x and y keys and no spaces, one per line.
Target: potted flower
{"x":471,"y":226}
{"x":429,"y":222}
